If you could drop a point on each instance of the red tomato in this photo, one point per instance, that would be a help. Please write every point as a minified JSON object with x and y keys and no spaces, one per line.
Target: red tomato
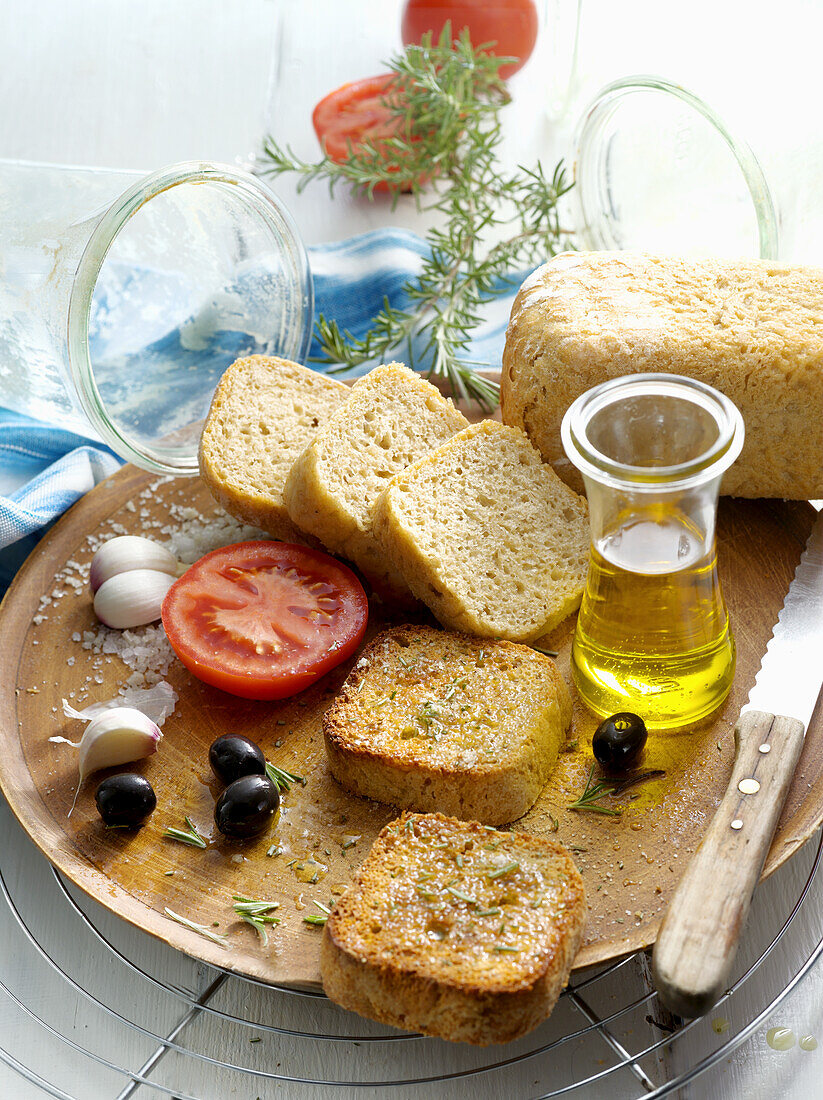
{"x":510,"y":24}
{"x":265,"y":619}
{"x":348,"y":116}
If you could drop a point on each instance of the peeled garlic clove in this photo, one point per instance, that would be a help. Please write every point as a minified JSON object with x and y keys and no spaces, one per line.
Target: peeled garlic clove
{"x":128,"y":552}
{"x":132,"y":599}
{"x":115,"y":737}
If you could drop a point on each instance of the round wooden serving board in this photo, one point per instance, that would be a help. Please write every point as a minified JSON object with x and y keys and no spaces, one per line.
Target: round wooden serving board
{"x":630,"y":863}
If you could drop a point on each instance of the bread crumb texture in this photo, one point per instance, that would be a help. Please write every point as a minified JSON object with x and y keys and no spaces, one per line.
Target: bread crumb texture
{"x":433,"y":720}
{"x":391,"y":418}
{"x":455,"y":930}
{"x":263,"y":413}
{"x":753,"y":329}
{"x":487,"y":535}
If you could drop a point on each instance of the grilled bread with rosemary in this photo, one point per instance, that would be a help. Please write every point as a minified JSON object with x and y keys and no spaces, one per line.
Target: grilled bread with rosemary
{"x":455,"y":930}
{"x":391,"y":418}
{"x":487,"y":535}
{"x":263,"y":413}
{"x":429,"y":720}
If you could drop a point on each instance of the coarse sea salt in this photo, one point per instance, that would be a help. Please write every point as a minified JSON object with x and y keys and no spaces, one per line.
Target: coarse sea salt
{"x":156,"y":702}
{"x":145,"y":650}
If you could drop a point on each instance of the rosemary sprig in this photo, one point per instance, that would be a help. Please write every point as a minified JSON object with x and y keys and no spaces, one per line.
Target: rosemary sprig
{"x":281,"y":778}
{"x":199,"y":928}
{"x":445,"y":102}
{"x":593,"y":791}
{"x":186,"y":836}
{"x":256,"y":913}
{"x":513,"y":866}
{"x":318,"y":918}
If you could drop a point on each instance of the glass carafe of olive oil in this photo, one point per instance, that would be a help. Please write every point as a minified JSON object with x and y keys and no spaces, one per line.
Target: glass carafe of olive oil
{"x":653,"y":632}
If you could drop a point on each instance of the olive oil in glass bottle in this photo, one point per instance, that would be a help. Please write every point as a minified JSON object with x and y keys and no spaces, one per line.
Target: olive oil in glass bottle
{"x":653,"y":632}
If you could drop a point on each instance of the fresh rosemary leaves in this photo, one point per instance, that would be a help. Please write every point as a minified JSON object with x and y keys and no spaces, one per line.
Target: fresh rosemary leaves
{"x":281,"y":778}
{"x":188,"y":835}
{"x":321,"y":917}
{"x":446,"y":100}
{"x":257,"y":913}
{"x":594,"y":791}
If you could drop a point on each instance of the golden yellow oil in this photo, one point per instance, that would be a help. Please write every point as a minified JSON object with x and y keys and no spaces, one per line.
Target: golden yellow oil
{"x":653,"y":632}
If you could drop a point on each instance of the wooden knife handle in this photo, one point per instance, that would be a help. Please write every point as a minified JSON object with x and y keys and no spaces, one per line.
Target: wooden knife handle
{"x":698,"y":938}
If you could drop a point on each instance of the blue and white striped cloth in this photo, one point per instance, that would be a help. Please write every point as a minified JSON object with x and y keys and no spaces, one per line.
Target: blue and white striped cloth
{"x":44,"y":469}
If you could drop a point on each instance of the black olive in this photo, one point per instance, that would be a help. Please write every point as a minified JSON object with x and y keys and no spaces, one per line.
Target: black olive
{"x":125,"y":799}
{"x":246,"y":806}
{"x":619,"y":740}
{"x":233,"y":756}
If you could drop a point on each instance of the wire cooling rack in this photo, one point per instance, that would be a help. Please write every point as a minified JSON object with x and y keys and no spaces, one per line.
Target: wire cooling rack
{"x":117,"y":1014}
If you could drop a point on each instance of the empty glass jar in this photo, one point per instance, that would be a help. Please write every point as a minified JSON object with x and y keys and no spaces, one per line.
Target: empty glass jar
{"x":124,"y":297}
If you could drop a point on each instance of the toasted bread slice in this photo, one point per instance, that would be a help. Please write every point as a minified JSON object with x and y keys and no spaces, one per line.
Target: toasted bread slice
{"x":263,"y":413}
{"x":391,"y":418}
{"x":455,"y":930}
{"x":429,"y":720}
{"x":487,"y":535}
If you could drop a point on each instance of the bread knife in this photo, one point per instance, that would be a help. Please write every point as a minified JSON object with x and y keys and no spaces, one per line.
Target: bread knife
{"x":698,"y":938}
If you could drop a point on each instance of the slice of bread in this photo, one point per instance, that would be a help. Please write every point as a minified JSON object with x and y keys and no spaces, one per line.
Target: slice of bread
{"x":455,"y":930}
{"x":429,"y":720}
{"x":263,"y":413}
{"x":392,"y":418}
{"x":487,"y":535}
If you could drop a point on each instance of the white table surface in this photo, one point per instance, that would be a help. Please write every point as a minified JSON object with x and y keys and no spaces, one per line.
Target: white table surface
{"x":110,"y":83}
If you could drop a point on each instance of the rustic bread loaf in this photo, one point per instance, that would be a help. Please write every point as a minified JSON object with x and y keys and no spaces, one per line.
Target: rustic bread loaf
{"x":751,"y":328}
{"x":391,"y":418}
{"x":455,"y":931}
{"x":487,"y":535}
{"x":263,"y":413}
{"x":430,"y":720}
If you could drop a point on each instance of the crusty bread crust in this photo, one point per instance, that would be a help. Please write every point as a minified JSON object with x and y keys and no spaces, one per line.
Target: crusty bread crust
{"x":430,"y":720}
{"x":750,"y":328}
{"x":263,"y":413}
{"x":487,"y":535}
{"x":403,"y":947}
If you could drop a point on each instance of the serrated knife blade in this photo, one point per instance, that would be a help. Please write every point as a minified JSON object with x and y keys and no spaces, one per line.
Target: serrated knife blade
{"x":791,"y":671}
{"x":698,"y":938}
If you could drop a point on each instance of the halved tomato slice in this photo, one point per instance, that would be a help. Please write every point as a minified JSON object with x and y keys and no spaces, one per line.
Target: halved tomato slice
{"x":357,"y":112}
{"x":264,"y":620}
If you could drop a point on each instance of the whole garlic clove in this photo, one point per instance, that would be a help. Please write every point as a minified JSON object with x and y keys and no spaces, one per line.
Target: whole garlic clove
{"x":116,"y":737}
{"x":132,"y":599}
{"x":126,"y":553}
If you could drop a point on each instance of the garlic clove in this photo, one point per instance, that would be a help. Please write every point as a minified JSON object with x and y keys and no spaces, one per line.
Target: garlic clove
{"x":115,"y":737}
{"x":128,"y":552}
{"x":132,"y":599}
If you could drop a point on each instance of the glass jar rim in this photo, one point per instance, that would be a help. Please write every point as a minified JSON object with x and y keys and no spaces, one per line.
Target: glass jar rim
{"x":591,"y":158}
{"x":713,"y":462}
{"x":249,"y":190}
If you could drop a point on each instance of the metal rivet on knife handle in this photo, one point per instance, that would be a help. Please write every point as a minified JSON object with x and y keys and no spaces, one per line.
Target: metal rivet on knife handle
{"x":748,"y":786}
